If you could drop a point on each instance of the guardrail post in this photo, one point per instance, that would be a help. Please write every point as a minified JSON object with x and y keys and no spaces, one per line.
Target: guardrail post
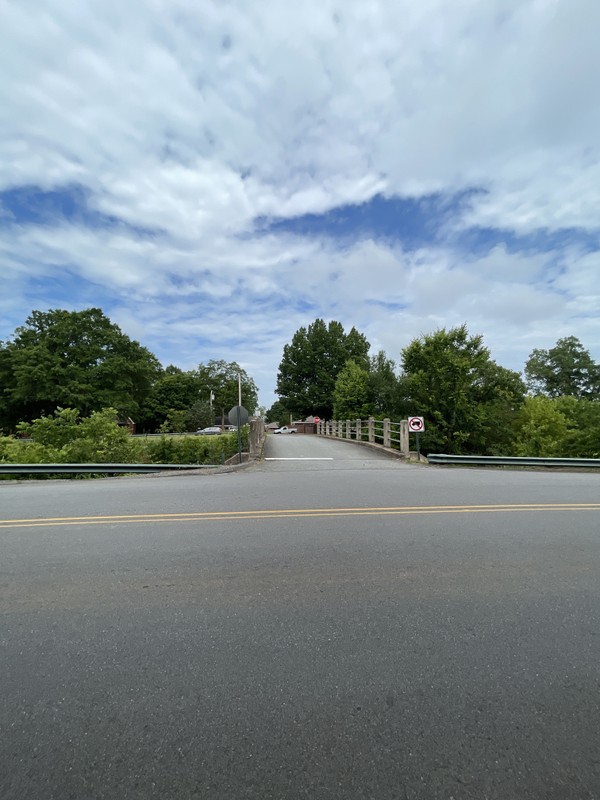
{"x":348,"y":429}
{"x":358,"y":431}
{"x":404,"y":442}
{"x":328,"y":428}
{"x":340,"y":428}
{"x":387,"y":436}
{"x":371,"y":429}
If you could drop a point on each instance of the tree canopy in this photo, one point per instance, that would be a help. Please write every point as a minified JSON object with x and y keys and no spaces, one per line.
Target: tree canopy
{"x":311,"y":363}
{"x":77,"y":359}
{"x":466,"y":398}
{"x":352,"y":392}
{"x":385,"y":396}
{"x":567,"y":369}
{"x":173,"y":391}
{"x":221,"y":378}
{"x":184,"y":401}
{"x":83,"y":361}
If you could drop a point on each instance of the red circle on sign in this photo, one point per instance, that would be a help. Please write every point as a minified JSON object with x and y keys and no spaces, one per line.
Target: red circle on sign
{"x":317,"y":419}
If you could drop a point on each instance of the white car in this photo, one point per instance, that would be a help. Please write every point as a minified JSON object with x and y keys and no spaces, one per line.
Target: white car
{"x":285,"y":429}
{"x":213,"y":430}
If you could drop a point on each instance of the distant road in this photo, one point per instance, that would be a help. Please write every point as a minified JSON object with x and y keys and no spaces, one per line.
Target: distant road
{"x":330,"y":623}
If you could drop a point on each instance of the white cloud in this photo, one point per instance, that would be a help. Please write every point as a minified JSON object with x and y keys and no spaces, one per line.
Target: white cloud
{"x":194,"y":118}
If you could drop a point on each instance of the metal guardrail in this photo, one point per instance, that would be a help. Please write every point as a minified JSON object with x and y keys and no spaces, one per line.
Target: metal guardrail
{"x":514,"y":461}
{"x":100,"y":469}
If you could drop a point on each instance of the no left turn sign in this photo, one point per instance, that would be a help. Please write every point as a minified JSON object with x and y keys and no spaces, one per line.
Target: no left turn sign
{"x":416,"y":424}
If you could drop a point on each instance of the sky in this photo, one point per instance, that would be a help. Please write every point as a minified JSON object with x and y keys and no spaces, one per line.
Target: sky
{"x":215,"y":175}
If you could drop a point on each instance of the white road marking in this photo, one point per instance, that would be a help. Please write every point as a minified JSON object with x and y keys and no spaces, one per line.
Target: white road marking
{"x":299,"y":459}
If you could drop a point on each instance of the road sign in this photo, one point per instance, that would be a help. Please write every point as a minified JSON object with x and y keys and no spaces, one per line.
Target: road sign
{"x":416,"y":424}
{"x":238,"y":415}
{"x":317,"y":420}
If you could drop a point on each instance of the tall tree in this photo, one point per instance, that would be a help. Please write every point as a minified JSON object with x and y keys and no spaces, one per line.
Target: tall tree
{"x":541,"y":429}
{"x":563,"y":370}
{"x":450,"y":379}
{"x":196,"y":398}
{"x":220,"y":378}
{"x":351,"y":393}
{"x":311,"y":364}
{"x":76,"y":359}
{"x":384,"y":387}
{"x":174,"y":390}
{"x":277,"y":413}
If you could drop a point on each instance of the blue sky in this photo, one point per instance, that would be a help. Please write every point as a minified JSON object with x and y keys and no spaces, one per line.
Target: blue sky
{"x":216,"y":174}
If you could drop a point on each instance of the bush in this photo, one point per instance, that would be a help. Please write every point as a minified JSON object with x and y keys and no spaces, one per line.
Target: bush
{"x":66,"y":438}
{"x":189,"y":449}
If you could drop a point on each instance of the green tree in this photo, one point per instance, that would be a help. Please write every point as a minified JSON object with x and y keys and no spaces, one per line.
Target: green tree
{"x":583,"y":422}
{"x":541,"y":429}
{"x":499,"y":394}
{"x":174,"y":390}
{"x":176,"y":421}
{"x":221,"y":378}
{"x":450,"y":379}
{"x":351,"y":393}
{"x":311,"y":363}
{"x":278,"y":413}
{"x":384,"y":386}
{"x":194,"y":399}
{"x":200,"y":415}
{"x":565,"y":369}
{"x":76,"y":359}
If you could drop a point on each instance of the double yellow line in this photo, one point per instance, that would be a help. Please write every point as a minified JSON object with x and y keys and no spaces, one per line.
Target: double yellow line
{"x":293,"y":513}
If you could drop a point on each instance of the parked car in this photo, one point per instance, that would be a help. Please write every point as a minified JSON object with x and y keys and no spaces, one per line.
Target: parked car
{"x":285,"y":429}
{"x":210,"y":431}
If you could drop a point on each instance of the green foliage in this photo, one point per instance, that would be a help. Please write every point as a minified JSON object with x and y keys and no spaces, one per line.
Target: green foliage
{"x":311,"y":363}
{"x":541,"y":429}
{"x":221,"y":378}
{"x":67,"y":438}
{"x":384,"y":387}
{"x":583,"y":424}
{"x":567,"y":369}
{"x":499,"y":394}
{"x":55,"y":430}
{"x":278,"y":413}
{"x":186,"y":401}
{"x":187,"y":420}
{"x":176,"y":422}
{"x":465,"y":397}
{"x":351,"y":393}
{"x":199,"y":416}
{"x":174,"y":390}
{"x":562,"y":427}
{"x":75,"y":359}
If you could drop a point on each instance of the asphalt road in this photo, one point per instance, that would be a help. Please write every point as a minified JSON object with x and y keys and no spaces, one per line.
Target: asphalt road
{"x":347,"y":627}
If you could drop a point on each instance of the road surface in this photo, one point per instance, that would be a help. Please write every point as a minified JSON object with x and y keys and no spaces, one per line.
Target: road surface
{"x":347,"y":627}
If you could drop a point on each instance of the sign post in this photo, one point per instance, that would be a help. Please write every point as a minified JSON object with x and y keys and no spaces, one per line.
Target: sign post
{"x":238,"y":415}
{"x":416,"y":425}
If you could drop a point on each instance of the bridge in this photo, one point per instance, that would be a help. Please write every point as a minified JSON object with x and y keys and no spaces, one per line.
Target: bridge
{"x":329,"y":622}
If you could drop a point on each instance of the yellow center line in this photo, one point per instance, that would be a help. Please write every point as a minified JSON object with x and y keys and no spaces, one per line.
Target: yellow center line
{"x":206,"y":516}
